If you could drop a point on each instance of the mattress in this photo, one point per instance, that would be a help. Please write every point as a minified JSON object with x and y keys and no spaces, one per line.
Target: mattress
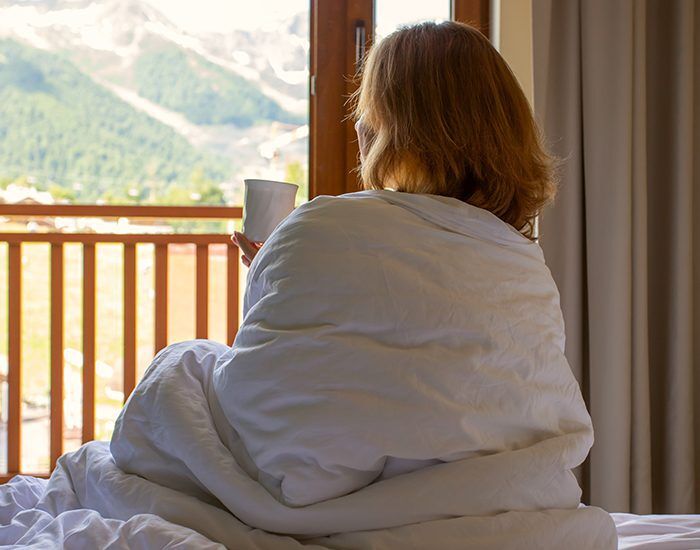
{"x":23,"y":522}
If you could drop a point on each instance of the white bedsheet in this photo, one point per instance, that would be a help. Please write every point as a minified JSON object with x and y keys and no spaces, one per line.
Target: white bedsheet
{"x":358,"y":350}
{"x":89,"y":503}
{"x":658,"y":532}
{"x":381,"y":393}
{"x":32,"y":517}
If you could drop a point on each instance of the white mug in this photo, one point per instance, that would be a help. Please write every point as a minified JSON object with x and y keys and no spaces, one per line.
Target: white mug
{"x":265,"y":204}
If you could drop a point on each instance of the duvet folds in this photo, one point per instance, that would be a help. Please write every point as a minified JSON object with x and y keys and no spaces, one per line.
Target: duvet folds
{"x":398,"y":381}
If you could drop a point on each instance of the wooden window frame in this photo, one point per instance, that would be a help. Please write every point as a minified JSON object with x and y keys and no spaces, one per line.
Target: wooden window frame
{"x":474,"y":12}
{"x":333,"y":150}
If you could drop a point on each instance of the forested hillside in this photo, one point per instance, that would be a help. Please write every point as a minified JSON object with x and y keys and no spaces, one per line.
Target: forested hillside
{"x":58,"y":124}
{"x":205,"y":93}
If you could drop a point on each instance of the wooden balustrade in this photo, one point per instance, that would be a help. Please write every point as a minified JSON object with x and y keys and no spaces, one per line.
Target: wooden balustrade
{"x":89,"y":289}
{"x":14,"y":373}
{"x":129,"y":242}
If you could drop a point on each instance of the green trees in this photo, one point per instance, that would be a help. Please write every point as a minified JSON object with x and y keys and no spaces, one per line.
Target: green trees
{"x":295,"y":173}
{"x":75,"y":138}
{"x":57,"y":124}
{"x":205,"y":93}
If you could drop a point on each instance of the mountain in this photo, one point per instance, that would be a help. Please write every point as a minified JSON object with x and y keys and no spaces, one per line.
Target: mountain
{"x":205,"y":93}
{"x":105,"y":38}
{"x":113,"y":92}
{"x":55,"y":122}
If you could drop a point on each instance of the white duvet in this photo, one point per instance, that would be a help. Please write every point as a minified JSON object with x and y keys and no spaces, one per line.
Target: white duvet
{"x":398,"y":382}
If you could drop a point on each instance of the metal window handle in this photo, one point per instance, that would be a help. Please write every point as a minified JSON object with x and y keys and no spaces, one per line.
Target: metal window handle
{"x":360,"y":43}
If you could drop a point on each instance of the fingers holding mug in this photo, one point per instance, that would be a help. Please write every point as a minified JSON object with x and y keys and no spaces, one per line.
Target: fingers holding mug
{"x":247,"y":247}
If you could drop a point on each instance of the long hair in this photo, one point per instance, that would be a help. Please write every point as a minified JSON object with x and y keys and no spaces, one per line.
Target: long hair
{"x":444,"y":114}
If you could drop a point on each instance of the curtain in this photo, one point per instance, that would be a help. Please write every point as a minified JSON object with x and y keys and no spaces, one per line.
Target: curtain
{"x":617,"y":93}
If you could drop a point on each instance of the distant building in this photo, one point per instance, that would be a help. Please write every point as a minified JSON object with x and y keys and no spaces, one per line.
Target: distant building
{"x":19,"y":194}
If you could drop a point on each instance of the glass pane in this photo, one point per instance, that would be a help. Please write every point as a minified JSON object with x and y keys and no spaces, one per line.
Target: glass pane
{"x":392,"y":14}
{"x":182,"y":301}
{"x":136,"y":102}
{"x":73,"y":346}
{"x":145,"y":302}
{"x":109,"y":337}
{"x":35,"y":358}
{"x":151,"y":101}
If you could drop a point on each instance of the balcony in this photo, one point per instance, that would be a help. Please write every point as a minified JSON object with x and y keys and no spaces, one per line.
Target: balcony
{"x":86,"y":309}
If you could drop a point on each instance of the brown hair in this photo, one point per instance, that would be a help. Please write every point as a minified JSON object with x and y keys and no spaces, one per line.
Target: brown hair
{"x":444,"y":115}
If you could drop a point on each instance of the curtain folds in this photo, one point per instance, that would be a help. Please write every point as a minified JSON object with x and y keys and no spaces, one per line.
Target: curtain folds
{"x":617,"y":92}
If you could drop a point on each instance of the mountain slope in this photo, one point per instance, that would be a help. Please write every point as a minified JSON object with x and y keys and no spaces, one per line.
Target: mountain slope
{"x":104,"y":38}
{"x":57,"y":123}
{"x":205,"y":93}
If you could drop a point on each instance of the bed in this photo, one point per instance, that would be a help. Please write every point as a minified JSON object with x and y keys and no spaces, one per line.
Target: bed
{"x":324,"y":429}
{"x":28,"y":520}
{"x":658,"y":532}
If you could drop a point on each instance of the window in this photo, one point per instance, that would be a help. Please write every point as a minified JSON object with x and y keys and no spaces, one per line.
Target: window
{"x":151,"y":101}
{"x":129,"y":104}
{"x":134,"y":102}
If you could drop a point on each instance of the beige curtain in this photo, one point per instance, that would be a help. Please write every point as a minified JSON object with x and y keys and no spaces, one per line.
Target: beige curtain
{"x":617,"y":92}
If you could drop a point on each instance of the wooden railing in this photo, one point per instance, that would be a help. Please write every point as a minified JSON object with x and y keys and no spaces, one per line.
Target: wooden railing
{"x":89,"y":241}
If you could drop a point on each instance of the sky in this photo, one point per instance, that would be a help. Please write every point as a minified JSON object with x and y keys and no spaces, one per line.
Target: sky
{"x":226,"y":15}
{"x":389,"y":14}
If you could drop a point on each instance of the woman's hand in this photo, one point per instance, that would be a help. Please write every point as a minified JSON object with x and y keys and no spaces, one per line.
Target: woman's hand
{"x":249,"y":248}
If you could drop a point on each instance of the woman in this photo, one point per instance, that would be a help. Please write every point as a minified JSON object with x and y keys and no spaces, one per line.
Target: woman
{"x":399,"y":377}
{"x":439,"y":112}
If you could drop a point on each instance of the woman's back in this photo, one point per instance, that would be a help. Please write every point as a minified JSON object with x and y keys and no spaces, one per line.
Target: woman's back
{"x":390,"y":331}
{"x":384,"y":324}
